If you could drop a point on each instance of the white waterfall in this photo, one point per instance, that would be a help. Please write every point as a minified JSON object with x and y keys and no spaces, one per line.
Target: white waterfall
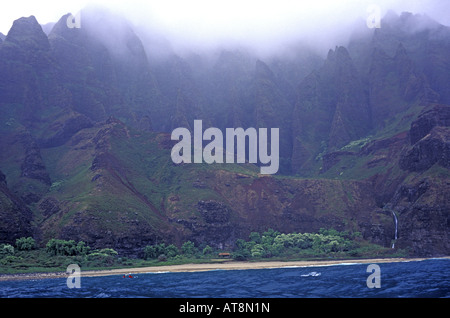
{"x":396,"y":228}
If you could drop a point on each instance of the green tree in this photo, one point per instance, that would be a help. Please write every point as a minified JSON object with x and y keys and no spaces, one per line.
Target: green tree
{"x":6,"y":249}
{"x":171,"y":251}
{"x":239,"y":256}
{"x":257,"y":251}
{"x":241,"y":244}
{"x":25,"y":243}
{"x":242,"y":250}
{"x":255,"y":237}
{"x":107,"y":252}
{"x":66,"y":248}
{"x":105,"y":256}
{"x":276,"y":249}
{"x":269,"y":236}
{"x":154,"y":251}
{"x":188,"y":248}
{"x":334,"y":246}
{"x":150,"y":252}
{"x":208,"y":250}
{"x":83,"y":249}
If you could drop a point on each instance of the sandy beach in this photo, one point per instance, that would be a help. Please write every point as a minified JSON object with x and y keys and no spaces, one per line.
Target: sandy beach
{"x":231,"y":265}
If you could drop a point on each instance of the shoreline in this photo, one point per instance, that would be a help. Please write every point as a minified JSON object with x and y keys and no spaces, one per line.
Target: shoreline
{"x":231,"y":265}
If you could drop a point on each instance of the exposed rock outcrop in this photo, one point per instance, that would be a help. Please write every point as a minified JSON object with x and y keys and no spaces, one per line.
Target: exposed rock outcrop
{"x":424,"y":217}
{"x":430,"y":140}
{"x":433,"y":148}
{"x":63,"y":128}
{"x":14,"y":215}
{"x":433,"y":116}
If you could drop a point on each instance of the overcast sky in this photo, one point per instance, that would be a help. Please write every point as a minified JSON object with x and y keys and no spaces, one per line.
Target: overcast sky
{"x":252,"y":20}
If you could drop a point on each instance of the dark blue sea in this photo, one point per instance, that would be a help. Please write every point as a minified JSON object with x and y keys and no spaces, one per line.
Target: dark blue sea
{"x":412,"y":279}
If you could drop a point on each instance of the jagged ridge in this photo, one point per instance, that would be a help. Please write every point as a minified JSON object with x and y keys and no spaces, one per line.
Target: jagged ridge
{"x":345,"y":122}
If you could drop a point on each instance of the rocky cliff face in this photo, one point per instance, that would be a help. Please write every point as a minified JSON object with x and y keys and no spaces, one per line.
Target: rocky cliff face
{"x":331,"y":110}
{"x":422,"y":202}
{"x":85,"y":116}
{"x":438,"y":115}
{"x":429,"y":136}
{"x":15,"y":215}
{"x":422,"y":207}
{"x":409,"y":174}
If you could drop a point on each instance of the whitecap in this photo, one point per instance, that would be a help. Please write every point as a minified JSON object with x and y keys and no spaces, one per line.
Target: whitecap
{"x":161,"y":272}
{"x":311,"y":274}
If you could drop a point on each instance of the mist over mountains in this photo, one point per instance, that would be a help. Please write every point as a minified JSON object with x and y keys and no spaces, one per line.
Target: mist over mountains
{"x":86,"y":116}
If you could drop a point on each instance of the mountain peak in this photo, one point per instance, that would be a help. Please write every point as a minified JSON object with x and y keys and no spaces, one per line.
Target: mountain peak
{"x":262,"y":70}
{"x":390,"y":16}
{"x":339,"y":62}
{"x":408,"y":22}
{"x":28,"y":33}
{"x":60,"y":28}
{"x":340,"y":53}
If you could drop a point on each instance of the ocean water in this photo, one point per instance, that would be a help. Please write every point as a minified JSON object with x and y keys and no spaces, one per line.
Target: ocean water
{"x":413,"y":279}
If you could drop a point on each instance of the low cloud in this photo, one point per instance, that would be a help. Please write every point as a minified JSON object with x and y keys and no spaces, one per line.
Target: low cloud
{"x":262,"y":24}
